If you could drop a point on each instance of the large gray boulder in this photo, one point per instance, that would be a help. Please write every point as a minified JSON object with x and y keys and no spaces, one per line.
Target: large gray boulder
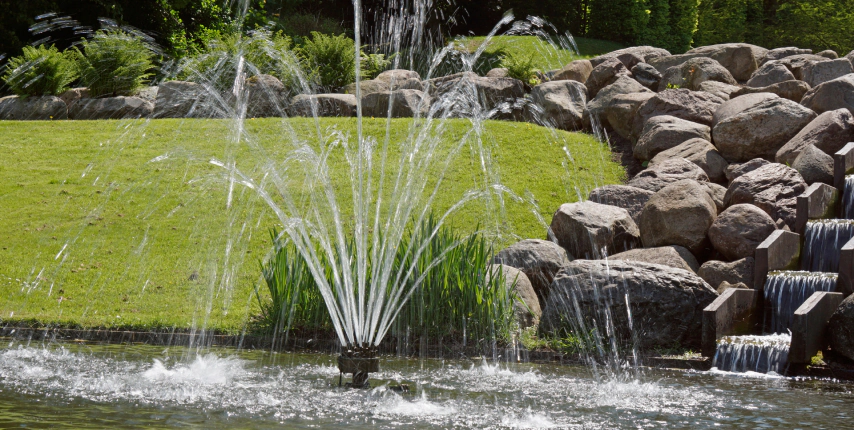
{"x":120,"y":107}
{"x":829,"y":132}
{"x":770,"y":74}
{"x":592,"y":230}
{"x":840,"y":328}
{"x":736,"y":170}
{"x":390,"y":80}
{"x":797,"y":63}
{"x":562,"y":102}
{"x":538,"y":259}
{"x":605,"y":74}
{"x":717,"y":192}
{"x":323,"y":105}
{"x":831,"y":95}
{"x":466,"y":93}
{"x":578,"y":70}
{"x":716,"y":272}
{"x":665,"y":132}
{"x":74,"y":94}
{"x":740,"y":59}
{"x":43,"y":108}
{"x":398,"y":104}
{"x":695,"y":106}
{"x":792,"y":90}
{"x":616,"y":105}
{"x":527,"y":305}
{"x":645,"y":52}
{"x":666,"y":303}
{"x":679,"y":214}
{"x":667,"y":172}
{"x":266,"y":97}
{"x":814,"y":166}
{"x":647,"y":75}
{"x":774,"y":188}
{"x":739,"y":229}
{"x":850,"y":57}
{"x":179,"y":99}
{"x":672,"y":256}
{"x":786,"y":51}
{"x":738,"y":105}
{"x":820,"y":72}
{"x":694,"y":72}
{"x":719,"y":89}
{"x":761,"y":130}
{"x":700,"y":152}
{"x":629,"y":198}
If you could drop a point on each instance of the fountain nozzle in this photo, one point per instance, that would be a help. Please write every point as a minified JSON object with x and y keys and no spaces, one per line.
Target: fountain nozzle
{"x":358,"y":361}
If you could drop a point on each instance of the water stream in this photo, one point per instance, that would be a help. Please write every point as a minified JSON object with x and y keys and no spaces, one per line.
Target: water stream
{"x":848,"y":198}
{"x":823,"y":239}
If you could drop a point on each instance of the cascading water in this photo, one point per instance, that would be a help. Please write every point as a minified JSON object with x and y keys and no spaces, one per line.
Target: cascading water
{"x":762,"y":354}
{"x":785,"y":292}
{"x":848,"y":198}
{"x":823,"y":239}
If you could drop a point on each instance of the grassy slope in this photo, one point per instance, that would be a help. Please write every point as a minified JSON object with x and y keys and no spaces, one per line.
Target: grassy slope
{"x":134,"y":229}
{"x":546,"y":55}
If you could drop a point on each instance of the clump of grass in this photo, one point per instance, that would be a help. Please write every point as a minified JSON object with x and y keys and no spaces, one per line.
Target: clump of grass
{"x":114,"y":62}
{"x":331,"y":60}
{"x":40,"y":71}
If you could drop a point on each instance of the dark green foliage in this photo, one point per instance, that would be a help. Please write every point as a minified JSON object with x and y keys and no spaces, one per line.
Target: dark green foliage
{"x":816,"y":24}
{"x":622,"y":21}
{"x":723,"y":21}
{"x":521,"y":68}
{"x":301,"y":25}
{"x":331,"y":60}
{"x":671,"y":24}
{"x":40,"y":71}
{"x":374,"y":64}
{"x":114,"y":63}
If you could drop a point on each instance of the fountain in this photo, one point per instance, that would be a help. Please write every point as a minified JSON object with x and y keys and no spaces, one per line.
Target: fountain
{"x":848,"y":198}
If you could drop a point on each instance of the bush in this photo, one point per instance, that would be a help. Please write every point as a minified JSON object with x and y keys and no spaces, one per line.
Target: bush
{"x":301,"y":25}
{"x":671,"y":24}
{"x":621,"y":21}
{"x":114,"y":62}
{"x":40,"y":71}
{"x":521,"y":69}
{"x":330,"y":60}
{"x":723,"y":21}
{"x":374,"y":64}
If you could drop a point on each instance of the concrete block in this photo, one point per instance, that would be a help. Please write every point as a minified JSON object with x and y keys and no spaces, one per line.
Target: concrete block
{"x":734,"y":312}
{"x":780,"y":251}
{"x":819,"y":201}
{"x":843,"y":164}
{"x":845,"y":282}
{"x":810,"y":325}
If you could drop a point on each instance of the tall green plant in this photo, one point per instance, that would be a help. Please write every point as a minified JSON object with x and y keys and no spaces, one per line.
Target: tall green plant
{"x":521,"y":68}
{"x":330,"y":59}
{"x":40,"y":71}
{"x":617,"y":20}
{"x":114,"y":62}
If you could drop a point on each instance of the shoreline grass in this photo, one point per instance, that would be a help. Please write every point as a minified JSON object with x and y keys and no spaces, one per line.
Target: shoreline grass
{"x":125,"y":223}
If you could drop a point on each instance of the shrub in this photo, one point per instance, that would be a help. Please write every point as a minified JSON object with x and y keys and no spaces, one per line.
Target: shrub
{"x":40,"y":71}
{"x":331,"y":60}
{"x":723,"y":21}
{"x":621,"y":21}
{"x":114,"y":62}
{"x":671,"y":24}
{"x":301,"y":25}
{"x":521,"y":69}
{"x":374,"y":64}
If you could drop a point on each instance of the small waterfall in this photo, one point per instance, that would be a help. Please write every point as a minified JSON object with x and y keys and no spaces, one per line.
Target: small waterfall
{"x":848,"y":198}
{"x":822,"y":241}
{"x":786,"y":291}
{"x":761,"y":354}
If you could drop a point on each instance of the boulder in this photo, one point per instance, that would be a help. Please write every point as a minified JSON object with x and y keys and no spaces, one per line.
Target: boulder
{"x":726,"y":286}
{"x":266,"y":97}
{"x":736,"y":272}
{"x":740,"y":59}
{"x":179,"y":99}
{"x":647,"y":75}
{"x":527,"y":305}
{"x":538,"y":259}
{"x":398,"y":104}
{"x":562,"y":102}
{"x":694,"y":72}
{"x":717,"y":193}
{"x":738,"y":105}
{"x":672,"y":256}
{"x":719,"y":89}
{"x":32,"y":108}
{"x":814,"y":166}
{"x":796,"y":63}
{"x":820,"y":72}
{"x":780,"y":53}
{"x":769,"y":74}
{"x":611,"y":103}
{"x":592,"y":230}
{"x":605,"y":74}
{"x":733,"y":171}
{"x":74,"y":94}
{"x":739,"y":229}
{"x":840,"y":328}
{"x":828,"y":132}
{"x":629,"y":198}
{"x":792,"y":90}
{"x":667,"y":172}
{"x":761,"y":130}
{"x":831,"y":95}
{"x":578,"y":70}
{"x":146,"y":93}
{"x":679,"y":214}
{"x":665,"y":132}
{"x":464,"y":93}
{"x":389,"y":80}
{"x":689,"y":105}
{"x":850,"y":57}
{"x":323,"y":105}
{"x":645,"y":52}
{"x":498,"y":72}
{"x":666,"y":303}
{"x":700,"y":152}
{"x":774,"y":188}
{"x":110,"y":108}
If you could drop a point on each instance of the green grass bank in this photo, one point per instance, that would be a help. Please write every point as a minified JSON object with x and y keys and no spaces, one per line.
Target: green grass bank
{"x":126,"y":224}
{"x":545,"y":55}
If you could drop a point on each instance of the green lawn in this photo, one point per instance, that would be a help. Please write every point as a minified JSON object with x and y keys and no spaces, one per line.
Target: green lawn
{"x":126,"y":224}
{"x":547,"y":56}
